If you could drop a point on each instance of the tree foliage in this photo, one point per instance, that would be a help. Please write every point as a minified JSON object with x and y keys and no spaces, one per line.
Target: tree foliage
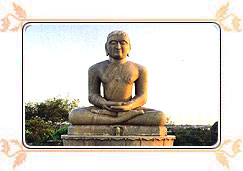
{"x":43,"y":120}
{"x":37,"y":131}
{"x":192,"y":137}
{"x":169,"y":121}
{"x":51,"y":110}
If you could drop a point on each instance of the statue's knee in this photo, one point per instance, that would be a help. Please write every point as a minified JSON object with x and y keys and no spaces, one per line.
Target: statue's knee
{"x":75,"y":114}
{"x":161,"y":118}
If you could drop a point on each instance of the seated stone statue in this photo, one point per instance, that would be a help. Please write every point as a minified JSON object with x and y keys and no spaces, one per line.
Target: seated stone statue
{"x":117,"y":75}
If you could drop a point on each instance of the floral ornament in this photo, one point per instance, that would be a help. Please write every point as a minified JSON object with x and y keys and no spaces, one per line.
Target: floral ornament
{"x":19,"y":17}
{"x":223,"y":156}
{"x":19,"y":155}
{"x":228,"y":21}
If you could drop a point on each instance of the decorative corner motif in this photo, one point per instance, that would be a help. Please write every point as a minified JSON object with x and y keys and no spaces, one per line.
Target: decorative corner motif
{"x":223,"y":156}
{"x":13,"y":21}
{"x":228,"y":21}
{"x":19,"y":155}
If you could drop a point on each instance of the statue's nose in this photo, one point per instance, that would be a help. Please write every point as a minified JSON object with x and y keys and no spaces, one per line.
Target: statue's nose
{"x":118,"y":45}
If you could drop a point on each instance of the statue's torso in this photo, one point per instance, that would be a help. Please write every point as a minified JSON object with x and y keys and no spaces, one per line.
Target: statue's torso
{"x":118,"y":80}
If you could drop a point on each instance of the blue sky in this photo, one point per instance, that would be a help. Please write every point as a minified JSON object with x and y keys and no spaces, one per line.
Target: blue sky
{"x":182,"y":62}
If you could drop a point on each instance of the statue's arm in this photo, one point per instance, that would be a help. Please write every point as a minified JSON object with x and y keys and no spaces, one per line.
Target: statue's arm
{"x":140,"y":97}
{"x":94,"y":87}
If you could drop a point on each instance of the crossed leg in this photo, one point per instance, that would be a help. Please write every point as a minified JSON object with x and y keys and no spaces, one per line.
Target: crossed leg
{"x":140,"y":116}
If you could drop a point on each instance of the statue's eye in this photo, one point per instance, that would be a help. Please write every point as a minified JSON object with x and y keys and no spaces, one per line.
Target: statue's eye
{"x":112,"y":42}
{"x":123,"y":42}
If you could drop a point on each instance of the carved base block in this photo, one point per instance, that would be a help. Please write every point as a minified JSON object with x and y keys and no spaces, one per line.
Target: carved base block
{"x":119,"y":130}
{"x":81,"y":140}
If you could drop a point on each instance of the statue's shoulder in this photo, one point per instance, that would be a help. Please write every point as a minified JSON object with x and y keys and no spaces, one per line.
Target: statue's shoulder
{"x":99,"y":65}
{"x":138,"y":66}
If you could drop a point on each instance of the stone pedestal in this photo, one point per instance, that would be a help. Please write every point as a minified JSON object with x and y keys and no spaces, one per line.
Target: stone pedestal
{"x":117,"y":135}
{"x":80,"y":140}
{"x":116,"y":130}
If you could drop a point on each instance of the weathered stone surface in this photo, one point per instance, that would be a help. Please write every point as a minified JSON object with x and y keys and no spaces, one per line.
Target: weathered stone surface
{"x":111,"y":130}
{"x":80,"y":140}
{"x":117,"y":117}
{"x":117,"y":76}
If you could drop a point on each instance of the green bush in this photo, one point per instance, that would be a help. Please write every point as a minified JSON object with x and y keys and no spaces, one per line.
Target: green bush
{"x":56,"y":135}
{"x":43,"y":120}
{"x":37,"y":131}
{"x":192,"y":137}
{"x":51,"y":110}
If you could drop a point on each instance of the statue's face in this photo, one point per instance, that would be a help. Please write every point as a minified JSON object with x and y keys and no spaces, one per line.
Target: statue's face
{"x":118,"y":46}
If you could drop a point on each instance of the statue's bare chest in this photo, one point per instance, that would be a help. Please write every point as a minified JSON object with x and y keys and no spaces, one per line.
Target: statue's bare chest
{"x":119,"y":73}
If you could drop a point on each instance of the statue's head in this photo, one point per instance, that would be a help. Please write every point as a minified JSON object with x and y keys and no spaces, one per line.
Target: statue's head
{"x":117,"y":45}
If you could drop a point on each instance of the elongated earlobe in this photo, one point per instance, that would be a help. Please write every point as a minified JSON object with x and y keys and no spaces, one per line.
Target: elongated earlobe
{"x":106,"y":50}
{"x":129,"y":50}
